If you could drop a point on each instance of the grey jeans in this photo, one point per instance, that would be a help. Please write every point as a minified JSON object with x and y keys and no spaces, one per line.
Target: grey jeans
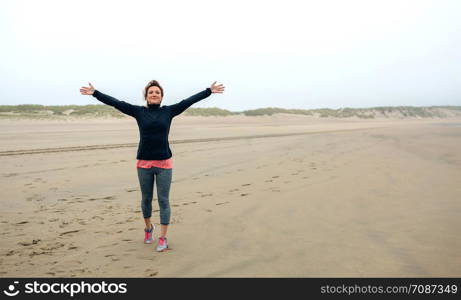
{"x":146,"y":181}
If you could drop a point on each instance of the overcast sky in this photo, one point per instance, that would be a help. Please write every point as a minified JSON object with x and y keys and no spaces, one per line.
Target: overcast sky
{"x":290,"y":54}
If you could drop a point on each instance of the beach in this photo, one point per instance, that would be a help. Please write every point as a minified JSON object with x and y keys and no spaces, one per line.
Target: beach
{"x":270,"y":196}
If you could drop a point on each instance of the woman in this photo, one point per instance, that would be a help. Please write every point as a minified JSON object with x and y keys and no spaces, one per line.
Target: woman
{"x":154,"y":154}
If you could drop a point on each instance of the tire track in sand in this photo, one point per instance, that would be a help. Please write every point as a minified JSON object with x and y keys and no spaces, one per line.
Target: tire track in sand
{"x":111,"y":146}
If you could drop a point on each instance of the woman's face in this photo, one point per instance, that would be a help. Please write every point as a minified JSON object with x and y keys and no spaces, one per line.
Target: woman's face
{"x":154,"y":95}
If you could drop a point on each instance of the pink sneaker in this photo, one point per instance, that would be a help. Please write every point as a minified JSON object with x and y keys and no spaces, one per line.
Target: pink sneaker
{"x":148,"y":239}
{"x":162,"y":244}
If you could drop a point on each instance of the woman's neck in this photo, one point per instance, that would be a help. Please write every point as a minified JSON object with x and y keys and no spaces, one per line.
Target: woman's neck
{"x":153,"y":106}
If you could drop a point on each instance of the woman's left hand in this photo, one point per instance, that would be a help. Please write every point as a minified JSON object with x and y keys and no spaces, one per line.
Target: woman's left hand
{"x":217,"y":88}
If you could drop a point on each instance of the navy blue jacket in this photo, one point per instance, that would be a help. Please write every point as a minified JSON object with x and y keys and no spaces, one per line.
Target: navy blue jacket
{"x":153,"y":122}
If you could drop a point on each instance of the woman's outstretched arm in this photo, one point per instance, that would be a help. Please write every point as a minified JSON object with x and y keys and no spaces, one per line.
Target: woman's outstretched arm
{"x":124,"y":107}
{"x":179,"y":107}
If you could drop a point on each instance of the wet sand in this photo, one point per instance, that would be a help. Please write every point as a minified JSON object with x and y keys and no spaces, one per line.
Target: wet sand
{"x":301,"y":197}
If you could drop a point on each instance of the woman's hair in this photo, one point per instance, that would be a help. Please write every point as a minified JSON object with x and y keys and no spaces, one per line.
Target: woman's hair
{"x":152,"y":83}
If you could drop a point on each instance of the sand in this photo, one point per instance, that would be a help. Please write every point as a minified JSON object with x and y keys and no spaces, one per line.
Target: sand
{"x":313,"y":198}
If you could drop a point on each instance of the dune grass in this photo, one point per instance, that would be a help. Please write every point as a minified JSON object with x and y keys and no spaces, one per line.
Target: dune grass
{"x":35,"y":111}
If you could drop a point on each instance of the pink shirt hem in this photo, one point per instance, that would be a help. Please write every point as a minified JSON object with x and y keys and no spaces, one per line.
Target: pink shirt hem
{"x":164,"y":163}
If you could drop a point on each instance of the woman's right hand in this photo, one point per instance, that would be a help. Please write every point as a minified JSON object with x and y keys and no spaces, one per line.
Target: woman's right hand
{"x":84,"y":90}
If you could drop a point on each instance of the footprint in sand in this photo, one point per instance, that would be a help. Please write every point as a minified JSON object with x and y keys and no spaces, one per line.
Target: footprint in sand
{"x":34,"y":242}
{"x":275,"y":176}
{"x":243,"y":195}
{"x":246,"y":184}
{"x":150,"y":273}
{"x":69,"y":232}
{"x":222,"y":203}
{"x":11,"y":174}
{"x":35,"y":197}
{"x":64,"y":224}
{"x":208,"y":210}
{"x":52,"y":246}
{"x":132,"y":190}
{"x":234,"y":190}
{"x":77,"y":271}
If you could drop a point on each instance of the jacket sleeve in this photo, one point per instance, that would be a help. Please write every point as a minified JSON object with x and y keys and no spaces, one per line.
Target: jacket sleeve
{"x":124,"y":107}
{"x":179,"y":107}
